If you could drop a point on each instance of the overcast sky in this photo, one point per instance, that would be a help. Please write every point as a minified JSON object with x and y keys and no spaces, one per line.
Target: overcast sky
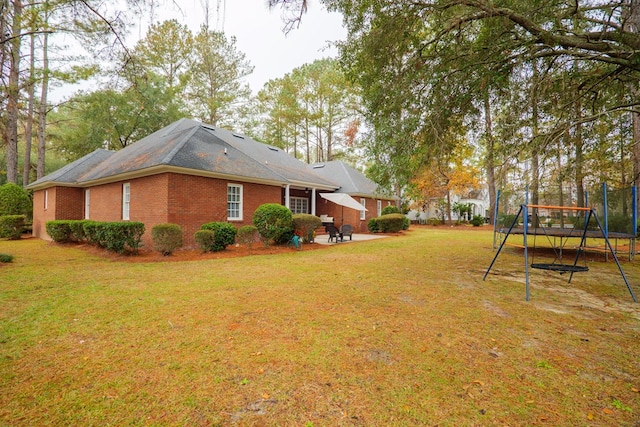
{"x":259,"y":35}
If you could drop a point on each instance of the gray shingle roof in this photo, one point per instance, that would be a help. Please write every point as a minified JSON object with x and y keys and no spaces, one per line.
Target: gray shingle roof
{"x":191,"y":145}
{"x":352,"y":181}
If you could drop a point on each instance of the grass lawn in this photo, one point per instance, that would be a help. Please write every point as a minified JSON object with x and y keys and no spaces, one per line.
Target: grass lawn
{"x":400,"y":331}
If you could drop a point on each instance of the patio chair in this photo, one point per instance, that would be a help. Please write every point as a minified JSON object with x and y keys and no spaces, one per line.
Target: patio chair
{"x":334,"y":233}
{"x":346,"y":230}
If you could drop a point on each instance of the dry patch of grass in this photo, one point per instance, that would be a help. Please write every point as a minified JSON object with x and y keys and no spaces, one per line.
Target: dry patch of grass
{"x":396,"y":331}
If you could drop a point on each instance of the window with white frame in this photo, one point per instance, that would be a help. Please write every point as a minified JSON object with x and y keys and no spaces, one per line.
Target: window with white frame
{"x":87,"y":203}
{"x":299,"y":205}
{"x":46,"y":199}
{"x":126,"y":201}
{"x":234,"y":202}
{"x":379,"y":207}
{"x":363,"y":213}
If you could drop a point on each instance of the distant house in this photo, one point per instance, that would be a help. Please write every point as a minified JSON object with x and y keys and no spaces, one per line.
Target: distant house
{"x":190,"y":173}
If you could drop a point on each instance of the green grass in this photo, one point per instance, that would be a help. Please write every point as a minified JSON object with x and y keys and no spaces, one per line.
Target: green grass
{"x":399,"y":331}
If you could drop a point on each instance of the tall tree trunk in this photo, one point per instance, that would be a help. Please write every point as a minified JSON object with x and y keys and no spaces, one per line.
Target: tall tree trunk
{"x":632,"y":23}
{"x":42,"y":114}
{"x":535,"y":149}
{"x":560,"y":180}
{"x":28,"y":132}
{"x":635,"y":153}
{"x":13,"y":93}
{"x":490,"y":158}
{"x":579,"y":144}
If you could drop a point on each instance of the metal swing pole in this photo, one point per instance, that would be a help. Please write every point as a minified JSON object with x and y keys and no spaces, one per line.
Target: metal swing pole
{"x":515,"y":220}
{"x":495,"y":218}
{"x":580,"y":250}
{"x":525,"y":208}
{"x":615,"y":257}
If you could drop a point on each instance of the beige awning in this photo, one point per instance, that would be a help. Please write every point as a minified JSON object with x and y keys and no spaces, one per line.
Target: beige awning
{"x":343,"y":199}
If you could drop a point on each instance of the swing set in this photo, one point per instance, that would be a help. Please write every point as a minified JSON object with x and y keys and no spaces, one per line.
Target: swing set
{"x":557,"y":264}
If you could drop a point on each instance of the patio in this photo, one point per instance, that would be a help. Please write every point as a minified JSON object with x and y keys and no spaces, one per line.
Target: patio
{"x":323,"y":239}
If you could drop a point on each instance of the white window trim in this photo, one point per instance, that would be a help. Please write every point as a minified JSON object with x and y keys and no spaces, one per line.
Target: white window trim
{"x":240,"y":208}
{"x":379,"y":207}
{"x":87,"y":203}
{"x":46,"y":199}
{"x":305,"y":203}
{"x":126,"y":201}
{"x":363,"y":213}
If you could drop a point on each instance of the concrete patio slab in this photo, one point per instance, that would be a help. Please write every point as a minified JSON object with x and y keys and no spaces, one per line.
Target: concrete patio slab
{"x":323,"y":239}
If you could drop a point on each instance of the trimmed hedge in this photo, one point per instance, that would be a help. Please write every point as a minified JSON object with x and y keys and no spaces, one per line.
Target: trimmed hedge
{"x":225,"y":234}
{"x":11,"y":226}
{"x":247,"y":235}
{"x":92,"y":232}
{"x":274,"y":223}
{"x":77,"y":230}
{"x":121,"y":236}
{"x":305,"y":224}
{"x":114,"y":236}
{"x":166,"y":238}
{"x":390,"y":223}
{"x":59,"y":230}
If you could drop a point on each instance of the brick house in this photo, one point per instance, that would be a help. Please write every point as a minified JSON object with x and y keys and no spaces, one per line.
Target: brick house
{"x":190,"y":173}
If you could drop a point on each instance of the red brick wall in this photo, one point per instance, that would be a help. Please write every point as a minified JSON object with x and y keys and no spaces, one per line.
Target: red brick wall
{"x":62,"y":203}
{"x":194,"y":201}
{"x":189,"y":201}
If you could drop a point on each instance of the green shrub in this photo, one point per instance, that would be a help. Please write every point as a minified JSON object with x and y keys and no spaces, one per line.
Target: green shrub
{"x":247,"y":235}
{"x":6,"y":258}
{"x":305,"y":224}
{"x":225,"y":234}
{"x":11,"y":226}
{"x":434,"y":221}
{"x":619,"y":223}
{"x":406,"y":223}
{"x":506,"y":220}
{"x":274,"y":223}
{"x":477,"y":220}
{"x":578,"y":223}
{"x":373,"y":225}
{"x":115,"y":236}
{"x":206,"y":240}
{"x":391,"y":223}
{"x":390,"y":209}
{"x":14,"y":200}
{"x":92,"y":232}
{"x":121,"y":236}
{"x":59,"y":230}
{"x":77,"y":230}
{"x":166,"y":238}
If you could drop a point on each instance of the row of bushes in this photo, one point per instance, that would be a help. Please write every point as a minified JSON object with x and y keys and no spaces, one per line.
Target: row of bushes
{"x":273,"y":223}
{"x":212,"y":237}
{"x":114,"y":236}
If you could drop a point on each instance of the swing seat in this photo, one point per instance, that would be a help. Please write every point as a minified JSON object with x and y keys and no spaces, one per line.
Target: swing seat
{"x":562,"y":268}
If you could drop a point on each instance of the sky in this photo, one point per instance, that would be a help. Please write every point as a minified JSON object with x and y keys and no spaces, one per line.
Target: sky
{"x":259,"y":34}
